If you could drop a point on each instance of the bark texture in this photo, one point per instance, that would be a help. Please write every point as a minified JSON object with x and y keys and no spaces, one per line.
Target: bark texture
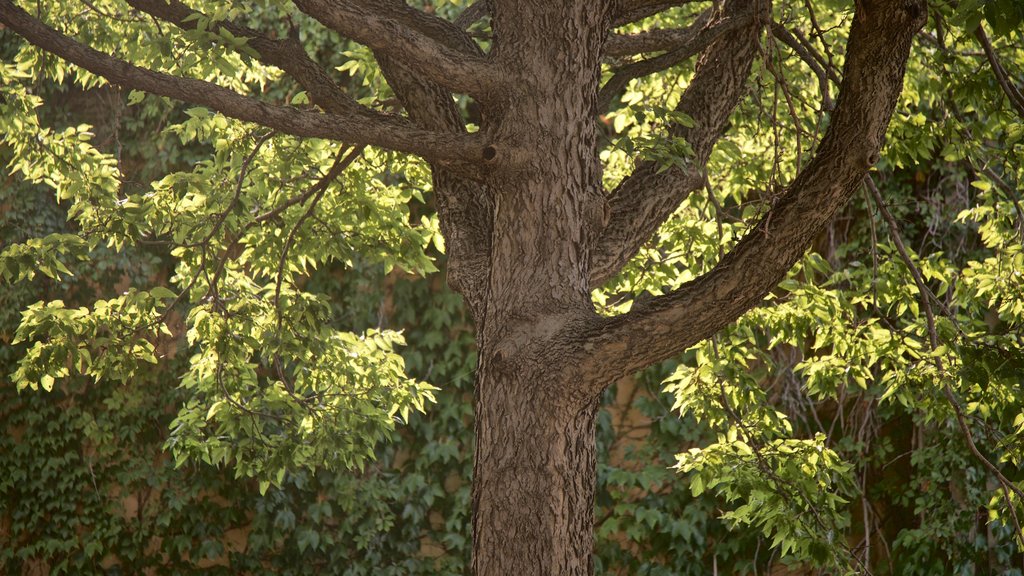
{"x":530,"y":230}
{"x":534,"y":479}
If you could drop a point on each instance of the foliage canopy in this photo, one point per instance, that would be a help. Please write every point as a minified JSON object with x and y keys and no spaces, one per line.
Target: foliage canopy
{"x":269,"y":277}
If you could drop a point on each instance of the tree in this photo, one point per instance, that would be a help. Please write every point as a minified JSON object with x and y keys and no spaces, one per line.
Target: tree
{"x":529,"y":230}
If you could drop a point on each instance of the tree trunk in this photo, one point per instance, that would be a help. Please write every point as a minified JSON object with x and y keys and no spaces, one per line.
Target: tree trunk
{"x":534,"y":472}
{"x":534,"y":477}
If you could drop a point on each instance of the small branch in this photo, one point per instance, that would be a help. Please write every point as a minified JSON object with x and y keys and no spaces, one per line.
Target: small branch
{"x":243,"y":171}
{"x":1011,"y":91}
{"x":340,"y":164}
{"x":318,"y":188}
{"x":784,"y":36}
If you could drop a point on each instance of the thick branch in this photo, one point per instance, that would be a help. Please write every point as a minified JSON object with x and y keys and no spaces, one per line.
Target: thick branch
{"x":364,"y":127}
{"x":636,"y":10}
{"x":879,"y":45}
{"x":437,"y":29}
{"x":463,"y":208}
{"x":286,"y":54}
{"x":644,"y":200}
{"x":658,"y":39}
{"x":378,"y":28}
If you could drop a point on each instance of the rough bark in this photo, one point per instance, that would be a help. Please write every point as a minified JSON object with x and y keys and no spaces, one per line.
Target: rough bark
{"x":380,"y":26}
{"x":533,"y":480}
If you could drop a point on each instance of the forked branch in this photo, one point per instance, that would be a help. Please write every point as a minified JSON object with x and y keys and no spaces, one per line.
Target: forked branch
{"x":463,"y":208}
{"x":821,"y":72}
{"x":650,"y":195}
{"x":286,"y":54}
{"x":684,"y":44}
{"x":878,"y":49}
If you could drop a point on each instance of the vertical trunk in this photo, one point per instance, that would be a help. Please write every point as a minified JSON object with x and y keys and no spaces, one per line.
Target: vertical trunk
{"x":534,"y":478}
{"x":534,"y":475}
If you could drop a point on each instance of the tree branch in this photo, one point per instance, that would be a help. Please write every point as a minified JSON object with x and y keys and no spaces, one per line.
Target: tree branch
{"x":1011,"y":91}
{"x":437,"y":29}
{"x":362,"y":127}
{"x":385,"y":28}
{"x":686,"y":43}
{"x":878,"y":49}
{"x":464,"y":209}
{"x":471,"y":14}
{"x":636,"y":10}
{"x":286,"y":54}
{"x":657,"y":39}
{"x":649,"y":196}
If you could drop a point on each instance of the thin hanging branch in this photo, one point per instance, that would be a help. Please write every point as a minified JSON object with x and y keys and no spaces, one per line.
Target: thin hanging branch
{"x":783,"y":35}
{"x":1011,"y":91}
{"x":933,"y":340}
